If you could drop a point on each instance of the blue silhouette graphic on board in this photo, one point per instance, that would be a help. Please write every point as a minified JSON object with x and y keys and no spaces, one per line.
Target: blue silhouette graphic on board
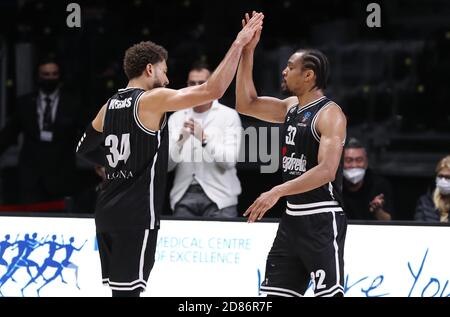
{"x":25,"y":248}
{"x":48,"y":262}
{"x":4,"y":245}
{"x":65,"y":263}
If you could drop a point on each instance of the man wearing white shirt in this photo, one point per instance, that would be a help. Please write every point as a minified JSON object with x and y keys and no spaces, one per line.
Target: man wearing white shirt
{"x":204,"y":148}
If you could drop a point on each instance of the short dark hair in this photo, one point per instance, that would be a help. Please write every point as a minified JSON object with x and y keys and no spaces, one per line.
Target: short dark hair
{"x":316,"y":61}
{"x":354,"y":143}
{"x":199,"y":65}
{"x":138,"y":56}
{"x":48,"y":59}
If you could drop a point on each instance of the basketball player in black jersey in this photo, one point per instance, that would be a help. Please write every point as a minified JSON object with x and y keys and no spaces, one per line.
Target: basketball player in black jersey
{"x":132,"y":131}
{"x":309,"y":245}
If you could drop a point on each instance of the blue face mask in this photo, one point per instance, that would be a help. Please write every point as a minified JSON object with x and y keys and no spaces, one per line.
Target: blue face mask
{"x":443,"y":185}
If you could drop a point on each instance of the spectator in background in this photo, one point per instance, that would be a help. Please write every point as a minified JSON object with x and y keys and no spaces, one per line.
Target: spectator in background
{"x":204,"y":147}
{"x":367,"y":196}
{"x":434,"y":206}
{"x":49,"y":121}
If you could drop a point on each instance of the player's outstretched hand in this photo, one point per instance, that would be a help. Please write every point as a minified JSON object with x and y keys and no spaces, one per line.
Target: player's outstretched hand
{"x":252,"y":26}
{"x":255,"y":39}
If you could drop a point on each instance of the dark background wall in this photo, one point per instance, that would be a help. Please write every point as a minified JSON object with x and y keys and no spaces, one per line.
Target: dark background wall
{"x":391,"y":81}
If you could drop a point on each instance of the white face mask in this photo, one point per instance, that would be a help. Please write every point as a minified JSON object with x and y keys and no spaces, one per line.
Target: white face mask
{"x":443,"y":185}
{"x":354,"y":175}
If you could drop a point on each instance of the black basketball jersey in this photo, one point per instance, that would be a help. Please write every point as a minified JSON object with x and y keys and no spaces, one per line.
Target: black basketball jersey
{"x":136,"y":167}
{"x":299,"y":154}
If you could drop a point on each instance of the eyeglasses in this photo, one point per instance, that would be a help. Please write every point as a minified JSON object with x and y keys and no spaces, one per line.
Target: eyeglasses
{"x":195,"y":83}
{"x":447,"y":177}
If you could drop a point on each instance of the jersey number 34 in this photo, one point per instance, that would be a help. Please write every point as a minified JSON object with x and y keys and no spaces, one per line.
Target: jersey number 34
{"x":116,"y":155}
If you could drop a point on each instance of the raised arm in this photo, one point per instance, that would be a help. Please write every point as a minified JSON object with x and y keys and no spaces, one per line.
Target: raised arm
{"x":247,"y":100}
{"x":162,"y":99}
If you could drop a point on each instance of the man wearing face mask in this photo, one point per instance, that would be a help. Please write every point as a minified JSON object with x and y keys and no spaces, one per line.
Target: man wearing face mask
{"x":49,"y":120}
{"x":434,"y":206}
{"x":366,"y":196}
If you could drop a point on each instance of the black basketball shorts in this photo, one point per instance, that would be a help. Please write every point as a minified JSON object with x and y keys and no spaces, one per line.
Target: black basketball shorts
{"x":127,"y":257}
{"x":307,"y":249}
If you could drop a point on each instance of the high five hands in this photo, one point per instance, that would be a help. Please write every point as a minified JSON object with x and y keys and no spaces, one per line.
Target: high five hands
{"x":257,"y":35}
{"x":251,"y":27}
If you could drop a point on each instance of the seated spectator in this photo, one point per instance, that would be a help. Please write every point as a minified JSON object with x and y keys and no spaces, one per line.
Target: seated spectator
{"x":203,"y":147}
{"x":367,"y":196}
{"x":435,"y":204}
